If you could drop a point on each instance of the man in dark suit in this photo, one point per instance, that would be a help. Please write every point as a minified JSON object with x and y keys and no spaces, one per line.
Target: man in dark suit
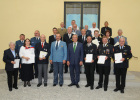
{"x":83,"y":38}
{"x":20,"y":43}
{"x":34,"y":41}
{"x":121,"y":68}
{"x":68,"y":39}
{"x":75,"y":60}
{"x":104,"y":49}
{"x":88,"y":32}
{"x":42,"y":59}
{"x":9,"y":56}
{"x":104,"y":29}
{"x":96,"y":34}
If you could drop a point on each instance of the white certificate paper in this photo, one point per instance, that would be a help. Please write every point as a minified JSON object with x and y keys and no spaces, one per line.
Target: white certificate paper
{"x":42,"y":54}
{"x":16,"y":65}
{"x":101,"y":60}
{"x":118,"y":57}
{"x":89,"y":58}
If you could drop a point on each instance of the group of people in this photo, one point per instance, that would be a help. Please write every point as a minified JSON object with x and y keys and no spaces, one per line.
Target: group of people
{"x":68,"y":48}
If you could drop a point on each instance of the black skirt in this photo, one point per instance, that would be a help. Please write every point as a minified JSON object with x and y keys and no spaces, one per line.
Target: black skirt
{"x":27,"y":72}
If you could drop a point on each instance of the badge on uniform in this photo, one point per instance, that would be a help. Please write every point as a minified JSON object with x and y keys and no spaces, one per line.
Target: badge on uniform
{"x":45,"y":49}
{"x":107,"y":51}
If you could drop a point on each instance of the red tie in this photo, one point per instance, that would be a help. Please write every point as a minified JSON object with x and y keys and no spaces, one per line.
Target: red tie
{"x":42,"y":45}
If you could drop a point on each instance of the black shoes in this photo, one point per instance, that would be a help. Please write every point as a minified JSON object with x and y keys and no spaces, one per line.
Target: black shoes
{"x":115,"y":90}
{"x":54,"y":84}
{"x":77,"y":85}
{"x":28,"y":83}
{"x":10,"y":89}
{"x":87,"y":85}
{"x":50,"y":71}
{"x":15,"y":87}
{"x":71,"y":85}
{"x":105,"y":89}
{"x":45,"y":84}
{"x":91,"y":87}
{"x":61,"y":85}
{"x":122,"y":91}
{"x":25,"y":84}
{"x":98,"y":87}
{"x":38,"y":85}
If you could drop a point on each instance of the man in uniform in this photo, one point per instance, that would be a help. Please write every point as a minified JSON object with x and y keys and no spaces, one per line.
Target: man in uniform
{"x":104,"y":49}
{"x":90,"y":48}
{"x":121,"y":68}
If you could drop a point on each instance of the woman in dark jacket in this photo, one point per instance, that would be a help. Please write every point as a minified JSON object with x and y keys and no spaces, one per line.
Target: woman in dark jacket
{"x":110,"y":39}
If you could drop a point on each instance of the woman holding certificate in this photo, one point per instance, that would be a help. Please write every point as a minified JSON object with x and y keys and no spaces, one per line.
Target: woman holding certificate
{"x":10,"y":56}
{"x":90,"y":54}
{"x":27,"y":55}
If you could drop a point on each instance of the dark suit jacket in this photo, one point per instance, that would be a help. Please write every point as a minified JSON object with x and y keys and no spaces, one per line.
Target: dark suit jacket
{"x":39,"y":48}
{"x":111,"y":41}
{"x":99,"y":39}
{"x":81,"y":40}
{"x":88,"y":33}
{"x":67,"y":39}
{"x":106,"y":51}
{"x":8,"y":57}
{"x":76,"y":57}
{"x":106,"y":28}
{"x":126,"y":53}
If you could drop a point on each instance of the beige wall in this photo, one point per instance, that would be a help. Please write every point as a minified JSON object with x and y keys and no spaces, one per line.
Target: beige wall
{"x":25,"y":16}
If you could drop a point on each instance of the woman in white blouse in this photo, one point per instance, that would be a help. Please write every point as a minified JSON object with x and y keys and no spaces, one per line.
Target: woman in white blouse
{"x":27,"y":56}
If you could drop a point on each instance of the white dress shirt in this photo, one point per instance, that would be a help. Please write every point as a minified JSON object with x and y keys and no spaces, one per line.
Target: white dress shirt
{"x":58,"y":43}
{"x":27,"y":53}
{"x":74,"y":44}
{"x":93,"y":29}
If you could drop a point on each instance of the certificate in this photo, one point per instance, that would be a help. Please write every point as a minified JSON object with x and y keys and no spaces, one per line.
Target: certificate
{"x":16,"y":65}
{"x":118,"y":57}
{"x":101,"y":60}
{"x":42,"y":54}
{"x":95,"y":42}
{"x":89,"y":58}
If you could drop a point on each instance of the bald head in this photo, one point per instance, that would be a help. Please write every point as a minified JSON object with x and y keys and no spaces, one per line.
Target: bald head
{"x":42,"y":38}
{"x":62,"y":24}
{"x":93,"y":24}
{"x":74,"y":26}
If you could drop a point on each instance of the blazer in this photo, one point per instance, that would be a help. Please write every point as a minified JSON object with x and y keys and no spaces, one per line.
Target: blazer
{"x":8,"y":57}
{"x":88,"y":33}
{"x":104,"y":29}
{"x":126,"y":53}
{"x":19,"y":44}
{"x":111,"y":41}
{"x":116,"y":39}
{"x":34,"y":41}
{"x":81,"y":40}
{"x":78,"y":32}
{"x":62,"y":31}
{"x":76,"y":57}
{"x":38,"y":48}
{"x":60,"y":54}
{"x":106,"y":51}
{"x":67,"y":39}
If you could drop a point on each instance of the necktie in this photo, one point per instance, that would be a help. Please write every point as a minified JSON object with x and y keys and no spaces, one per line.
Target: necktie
{"x":57,"y":45}
{"x":74,"y":47}
{"x":83,"y":39}
{"x":42,"y":45}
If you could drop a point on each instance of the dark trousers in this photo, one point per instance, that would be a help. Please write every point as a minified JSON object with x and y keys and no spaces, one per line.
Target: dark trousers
{"x":96,"y":66}
{"x":36,"y":69}
{"x":66,"y":67}
{"x":120,"y":77}
{"x":58,"y":70}
{"x":104,"y":71}
{"x":51,"y":67}
{"x":89,"y":70}
{"x":10,"y":78}
{"x":75,"y":73}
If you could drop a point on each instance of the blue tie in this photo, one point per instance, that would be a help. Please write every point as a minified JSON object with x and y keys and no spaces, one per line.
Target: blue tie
{"x":57,"y":45}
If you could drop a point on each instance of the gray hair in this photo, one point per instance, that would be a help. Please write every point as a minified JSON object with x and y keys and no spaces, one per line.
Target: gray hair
{"x":122,"y":38}
{"x":76,"y":35}
{"x":11,"y":43}
{"x":120,"y":30}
